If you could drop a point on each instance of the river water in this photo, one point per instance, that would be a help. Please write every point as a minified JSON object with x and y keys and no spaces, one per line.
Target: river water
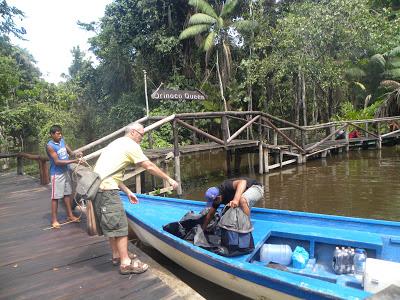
{"x":360,"y":183}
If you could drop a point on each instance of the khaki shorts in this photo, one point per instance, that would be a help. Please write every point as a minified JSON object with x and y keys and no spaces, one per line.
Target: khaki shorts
{"x":61,"y":185}
{"x":253,"y":194}
{"x":110,"y":213}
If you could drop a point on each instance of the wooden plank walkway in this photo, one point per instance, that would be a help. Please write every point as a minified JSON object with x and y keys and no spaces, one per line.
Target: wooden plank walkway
{"x":59,"y":264}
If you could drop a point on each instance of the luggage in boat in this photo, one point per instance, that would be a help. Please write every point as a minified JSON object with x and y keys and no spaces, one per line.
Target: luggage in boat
{"x":236,"y":231}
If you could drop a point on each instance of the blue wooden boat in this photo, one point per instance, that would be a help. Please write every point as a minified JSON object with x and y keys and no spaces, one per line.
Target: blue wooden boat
{"x":246,"y":275}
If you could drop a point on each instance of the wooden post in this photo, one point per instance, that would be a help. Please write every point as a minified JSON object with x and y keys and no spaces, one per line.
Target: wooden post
{"x":44,"y":172}
{"x":266,"y":160}
{"x":300,"y":159}
{"x":378,"y":130}
{"x":138,"y":183}
{"x":20,"y":165}
{"x":260,"y":149}
{"x":260,"y":159}
{"x":332,"y":129}
{"x":153,"y":180}
{"x":346,"y":132}
{"x":303,"y":139}
{"x":366,"y":129}
{"x":177,"y":159}
{"x":225,"y":129}
{"x":275,"y":138}
{"x":194,"y":136}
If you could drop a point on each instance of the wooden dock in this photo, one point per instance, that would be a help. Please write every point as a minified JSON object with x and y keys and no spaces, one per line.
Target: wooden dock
{"x":60,"y":264}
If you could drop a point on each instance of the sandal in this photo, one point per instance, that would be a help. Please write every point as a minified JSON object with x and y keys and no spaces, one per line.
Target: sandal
{"x":115,"y":261}
{"x":55,"y":225}
{"x":136,"y":267}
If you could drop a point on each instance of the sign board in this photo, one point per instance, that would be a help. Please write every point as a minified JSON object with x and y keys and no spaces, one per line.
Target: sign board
{"x":177,"y":95}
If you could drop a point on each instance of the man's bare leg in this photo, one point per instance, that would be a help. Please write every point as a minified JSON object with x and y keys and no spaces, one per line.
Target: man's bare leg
{"x":114,"y":249}
{"x":67,"y":201}
{"x":121,"y":243}
{"x":54,"y":208}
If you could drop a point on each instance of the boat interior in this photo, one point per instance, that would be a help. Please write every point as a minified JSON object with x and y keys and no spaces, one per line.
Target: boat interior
{"x":318,"y":234}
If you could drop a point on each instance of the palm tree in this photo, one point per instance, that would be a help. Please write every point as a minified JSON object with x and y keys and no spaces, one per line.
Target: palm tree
{"x":391,"y":104}
{"x":215,"y":27}
{"x":380,"y":71}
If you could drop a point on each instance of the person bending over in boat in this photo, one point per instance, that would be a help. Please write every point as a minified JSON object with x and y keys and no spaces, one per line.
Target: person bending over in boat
{"x":241,"y":192}
{"x":108,"y":207}
{"x":58,"y":152}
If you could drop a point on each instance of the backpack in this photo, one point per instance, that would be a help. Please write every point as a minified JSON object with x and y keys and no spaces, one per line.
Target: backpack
{"x":87,"y":181}
{"x":236,"y":230}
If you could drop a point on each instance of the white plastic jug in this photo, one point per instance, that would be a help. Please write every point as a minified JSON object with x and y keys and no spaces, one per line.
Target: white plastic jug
{"x":280,"y":254}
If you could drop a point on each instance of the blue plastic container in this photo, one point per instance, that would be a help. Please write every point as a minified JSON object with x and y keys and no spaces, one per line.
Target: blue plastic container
{"x":300,"y":258}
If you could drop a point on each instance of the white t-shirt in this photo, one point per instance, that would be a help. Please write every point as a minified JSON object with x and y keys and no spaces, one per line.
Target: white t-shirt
{"x":115,"y":158}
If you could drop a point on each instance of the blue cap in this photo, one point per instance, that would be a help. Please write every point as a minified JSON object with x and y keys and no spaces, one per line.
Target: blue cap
{"x":211,"y":194}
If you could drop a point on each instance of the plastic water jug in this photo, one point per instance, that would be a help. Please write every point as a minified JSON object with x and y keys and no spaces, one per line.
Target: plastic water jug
{"x":359,"y":259}
{"x":280,"y":254}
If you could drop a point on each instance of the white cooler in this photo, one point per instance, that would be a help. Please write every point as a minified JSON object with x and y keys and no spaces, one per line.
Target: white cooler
{"x":379,"y":274}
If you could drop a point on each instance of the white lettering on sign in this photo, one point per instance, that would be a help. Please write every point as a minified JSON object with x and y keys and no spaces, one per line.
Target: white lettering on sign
{"x":177,"y":95}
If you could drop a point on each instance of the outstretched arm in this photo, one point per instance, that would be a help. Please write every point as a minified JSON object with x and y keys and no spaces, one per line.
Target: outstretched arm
{"x":156,"y":171}
{"x":57,"y":161}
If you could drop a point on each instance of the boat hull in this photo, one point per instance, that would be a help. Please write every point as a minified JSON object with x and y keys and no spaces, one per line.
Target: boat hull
{"x":206,"y":271}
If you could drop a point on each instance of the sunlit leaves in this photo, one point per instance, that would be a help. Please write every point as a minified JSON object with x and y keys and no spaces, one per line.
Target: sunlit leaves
{"x":204,"y":7}
{"x":193,"y":31}
{"x":228,"y":7}
{"x":200,"y":18}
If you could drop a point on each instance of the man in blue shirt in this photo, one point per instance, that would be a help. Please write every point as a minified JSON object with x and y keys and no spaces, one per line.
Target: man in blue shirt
{"x":58,"y":152}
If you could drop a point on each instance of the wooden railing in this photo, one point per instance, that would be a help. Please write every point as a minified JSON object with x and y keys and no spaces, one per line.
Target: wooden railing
{"x":42,"y":162}
{"x":266,"y":124}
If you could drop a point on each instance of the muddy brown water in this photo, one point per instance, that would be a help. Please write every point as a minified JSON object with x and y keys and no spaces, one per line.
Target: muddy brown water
{"x":361,"y":183}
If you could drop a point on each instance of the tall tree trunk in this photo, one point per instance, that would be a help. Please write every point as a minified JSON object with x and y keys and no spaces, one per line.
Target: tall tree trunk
{"x":330,"y":103}
{"x":314,"y":107}
{"x":221,"y":87}
{"x":303,"y":98}
{"x":297,"y":99}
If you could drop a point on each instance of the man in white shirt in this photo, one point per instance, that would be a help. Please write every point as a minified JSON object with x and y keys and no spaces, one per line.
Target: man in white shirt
{"x":114,"y":159}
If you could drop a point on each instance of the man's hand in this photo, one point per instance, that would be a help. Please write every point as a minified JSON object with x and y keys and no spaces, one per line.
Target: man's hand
{"x":233,"y":204}
{"x":132,"y":198}
{"x":173,"y":183}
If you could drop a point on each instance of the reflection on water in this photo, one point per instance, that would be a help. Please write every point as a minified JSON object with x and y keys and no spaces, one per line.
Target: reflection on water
{"x":363,"y":183}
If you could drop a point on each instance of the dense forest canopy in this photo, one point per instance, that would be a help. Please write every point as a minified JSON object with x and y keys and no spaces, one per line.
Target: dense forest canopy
{"x":304,"y":61}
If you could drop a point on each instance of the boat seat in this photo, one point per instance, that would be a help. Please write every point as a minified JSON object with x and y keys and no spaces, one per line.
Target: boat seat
{"x":342,"y":237}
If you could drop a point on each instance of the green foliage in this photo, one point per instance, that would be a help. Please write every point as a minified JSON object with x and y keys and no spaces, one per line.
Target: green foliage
{"x":348,"y":112}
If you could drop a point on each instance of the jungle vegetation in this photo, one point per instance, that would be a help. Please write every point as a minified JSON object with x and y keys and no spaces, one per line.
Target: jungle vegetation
{"x":305,"y":61}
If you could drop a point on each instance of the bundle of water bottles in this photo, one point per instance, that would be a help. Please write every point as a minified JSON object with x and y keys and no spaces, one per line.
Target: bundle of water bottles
{"x":349,"y":260}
